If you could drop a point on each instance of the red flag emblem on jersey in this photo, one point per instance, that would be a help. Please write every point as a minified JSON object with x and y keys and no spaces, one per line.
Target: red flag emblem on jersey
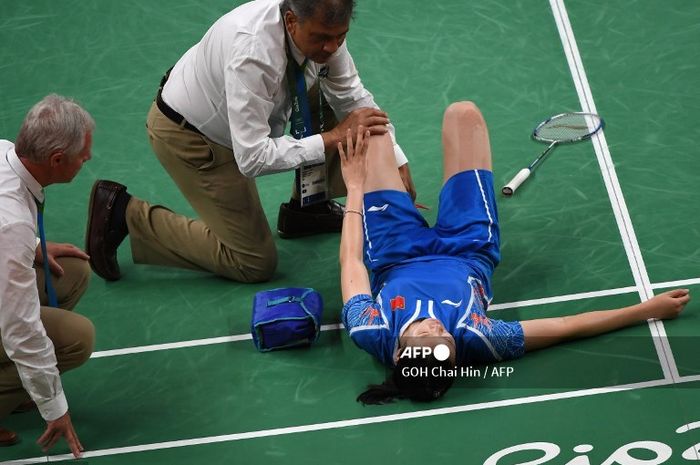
{"x":398,"y":303}
{"x":370,"y":313}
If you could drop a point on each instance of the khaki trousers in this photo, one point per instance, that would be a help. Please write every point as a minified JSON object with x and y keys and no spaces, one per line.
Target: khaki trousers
{"x":231,"y":238}
{"x":73,"y":335}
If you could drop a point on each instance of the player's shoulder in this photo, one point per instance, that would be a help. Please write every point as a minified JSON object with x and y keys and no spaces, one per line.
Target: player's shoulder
{"x":480,"y":297}
{"x":362,"y":312}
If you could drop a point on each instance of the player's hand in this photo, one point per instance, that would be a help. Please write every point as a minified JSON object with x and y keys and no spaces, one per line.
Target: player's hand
{"x":354,"y":157}
{"x":405,"y":174}
{"x":57,"y":429}
{"x":54,"y":250}
{"x":667,"y":305}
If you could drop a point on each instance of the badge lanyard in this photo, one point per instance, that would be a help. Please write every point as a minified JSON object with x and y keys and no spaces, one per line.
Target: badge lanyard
{"x":310,"y":179}
{"x":50,"y":292}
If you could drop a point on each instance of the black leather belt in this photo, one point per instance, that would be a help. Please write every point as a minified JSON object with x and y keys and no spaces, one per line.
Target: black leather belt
{"x":169,"y":113}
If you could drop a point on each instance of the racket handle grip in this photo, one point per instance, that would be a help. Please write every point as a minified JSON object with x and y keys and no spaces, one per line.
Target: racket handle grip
{"x":509,"y":189}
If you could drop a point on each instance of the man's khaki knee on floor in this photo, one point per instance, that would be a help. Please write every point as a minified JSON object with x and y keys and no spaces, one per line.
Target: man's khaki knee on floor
{"x":258,"y":266}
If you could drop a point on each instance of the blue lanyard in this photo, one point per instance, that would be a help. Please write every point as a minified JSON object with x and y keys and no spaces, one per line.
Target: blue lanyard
{"x":53,"y":301}
{"x":301,"y":126}
{"x":301,"y":112}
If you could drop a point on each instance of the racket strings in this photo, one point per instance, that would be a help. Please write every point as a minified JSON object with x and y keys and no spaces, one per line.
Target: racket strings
{"x":568,"y":128}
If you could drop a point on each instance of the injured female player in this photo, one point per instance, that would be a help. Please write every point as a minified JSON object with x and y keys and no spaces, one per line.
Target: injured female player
{"x":430,"y":286}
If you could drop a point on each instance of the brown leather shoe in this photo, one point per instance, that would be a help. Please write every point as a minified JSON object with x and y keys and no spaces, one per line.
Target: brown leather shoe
{"x":294,"y":221}
{"x":106,"y":227}
{"x":8,"y":438}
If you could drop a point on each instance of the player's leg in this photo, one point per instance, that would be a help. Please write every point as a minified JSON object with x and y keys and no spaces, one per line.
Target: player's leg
{"x":465,"y":140}
{"x":467,"y":221}
{"x":382,"y":172}
{"x":546,"y":332}
{"x":394,"y":229}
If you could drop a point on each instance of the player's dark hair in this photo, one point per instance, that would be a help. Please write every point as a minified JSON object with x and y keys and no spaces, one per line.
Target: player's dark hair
{"x":416,"y":388}
{"x":334,"y":12}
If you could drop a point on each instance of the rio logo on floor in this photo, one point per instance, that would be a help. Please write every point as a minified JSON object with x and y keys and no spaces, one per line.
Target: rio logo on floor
{"x":622,"y":456}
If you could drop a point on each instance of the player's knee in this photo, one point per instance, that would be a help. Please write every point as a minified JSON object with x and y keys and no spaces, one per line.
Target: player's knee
{"x":380,"y":152}
{"x":381,"y":142}
{"x":464,"y":114}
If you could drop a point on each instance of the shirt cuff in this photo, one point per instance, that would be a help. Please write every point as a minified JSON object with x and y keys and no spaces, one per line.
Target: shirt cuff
{"x":55,"y":408}
{"x":315,"y":149}
{"x":400,"y":156}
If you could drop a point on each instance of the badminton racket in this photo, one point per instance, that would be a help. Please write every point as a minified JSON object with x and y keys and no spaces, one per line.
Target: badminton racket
{"x":559,"y":129}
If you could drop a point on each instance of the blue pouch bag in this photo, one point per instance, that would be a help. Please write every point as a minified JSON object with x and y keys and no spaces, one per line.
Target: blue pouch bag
{"x":286,"y":317}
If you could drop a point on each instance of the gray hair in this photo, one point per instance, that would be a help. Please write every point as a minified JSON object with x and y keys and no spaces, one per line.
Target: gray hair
{"x":334,"y":12}
{"x":55,"y":124}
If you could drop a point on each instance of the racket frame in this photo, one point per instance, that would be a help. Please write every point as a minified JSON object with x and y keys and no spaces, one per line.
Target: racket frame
{"x":509,"y":189}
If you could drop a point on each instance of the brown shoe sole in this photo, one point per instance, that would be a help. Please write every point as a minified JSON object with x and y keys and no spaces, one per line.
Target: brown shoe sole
{"x":87,"y":235}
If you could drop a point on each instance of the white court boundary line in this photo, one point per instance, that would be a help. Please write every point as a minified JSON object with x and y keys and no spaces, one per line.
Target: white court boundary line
{"x":612,"y":185}
{"x":354,"y":422}
{"x":334,"y":327}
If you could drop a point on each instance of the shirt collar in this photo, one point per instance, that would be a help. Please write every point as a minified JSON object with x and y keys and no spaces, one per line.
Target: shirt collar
{"x":24,"y":174}
{"x":296,"y":53}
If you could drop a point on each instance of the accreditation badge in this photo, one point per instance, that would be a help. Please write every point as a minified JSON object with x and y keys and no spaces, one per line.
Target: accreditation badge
{"x":311,"y":184}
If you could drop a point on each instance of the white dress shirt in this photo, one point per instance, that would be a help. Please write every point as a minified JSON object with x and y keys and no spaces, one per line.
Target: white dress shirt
{"x":232,"y":86}
{"x":23,"y":335}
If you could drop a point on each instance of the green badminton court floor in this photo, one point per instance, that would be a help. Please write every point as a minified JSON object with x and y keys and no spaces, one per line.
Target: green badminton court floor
{"x":175,"y":378}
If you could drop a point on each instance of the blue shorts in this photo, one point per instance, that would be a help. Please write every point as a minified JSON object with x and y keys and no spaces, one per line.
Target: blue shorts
{"x":466,"y":226}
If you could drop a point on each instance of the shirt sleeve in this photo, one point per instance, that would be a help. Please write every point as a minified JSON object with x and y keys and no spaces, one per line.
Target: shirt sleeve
{"x":251,"y":82}
{"x":368,"y":327}
{"x":345,"y":92}
{"x":23,"y":335}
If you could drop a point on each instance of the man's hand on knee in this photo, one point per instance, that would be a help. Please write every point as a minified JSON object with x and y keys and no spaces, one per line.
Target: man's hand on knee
{"x":55,"y":251}
{"x":374,"y":120}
